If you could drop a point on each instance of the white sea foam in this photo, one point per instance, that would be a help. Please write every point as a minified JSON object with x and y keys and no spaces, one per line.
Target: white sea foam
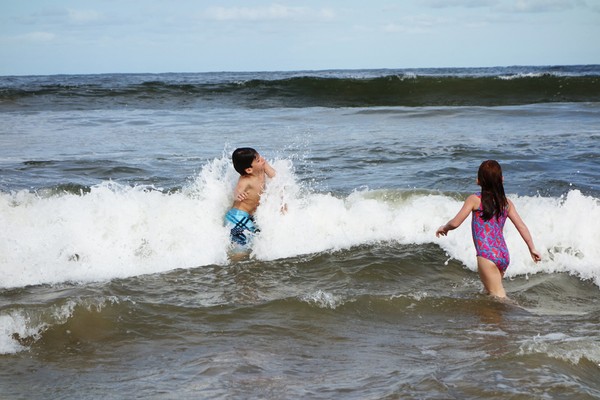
{"x":119,"y":231}
{"x":522,"y":75}
{"x":18,"y":327}
{"x":323,"y":299}
{"x":563,"y":347}
{"x":13,"y":325}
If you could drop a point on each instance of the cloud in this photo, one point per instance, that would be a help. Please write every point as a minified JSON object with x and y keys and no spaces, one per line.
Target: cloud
{"x":269,"y":13}
{"x":520,"y":6}
{"x":461,"y":3}
{"x":539,"y":6}
{"x":398,"y":28}
{"x":30,"y":37}
{"x":415,"y":24}
{"x":84,"y":16}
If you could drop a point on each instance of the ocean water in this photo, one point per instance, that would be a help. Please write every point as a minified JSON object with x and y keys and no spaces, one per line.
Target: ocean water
{"x":116,"y":280}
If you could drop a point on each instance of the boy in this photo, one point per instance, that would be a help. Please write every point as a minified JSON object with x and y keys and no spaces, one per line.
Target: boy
{"x":252,"y":168}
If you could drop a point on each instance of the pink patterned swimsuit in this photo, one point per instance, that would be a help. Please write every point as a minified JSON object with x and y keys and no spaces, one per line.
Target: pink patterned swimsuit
{"x":489,"y":239}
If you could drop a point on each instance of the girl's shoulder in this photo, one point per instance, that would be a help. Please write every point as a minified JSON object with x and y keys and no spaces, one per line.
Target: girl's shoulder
{"x":509,"y":205}
{"x":474,"y":200}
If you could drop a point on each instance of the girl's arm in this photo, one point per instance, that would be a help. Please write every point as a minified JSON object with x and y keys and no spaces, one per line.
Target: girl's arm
{"x":523,"y":231}
{"x":470,"y":204}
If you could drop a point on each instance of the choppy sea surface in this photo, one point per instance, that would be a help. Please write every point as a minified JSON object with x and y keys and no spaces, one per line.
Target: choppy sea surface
{"x":115,"y":274}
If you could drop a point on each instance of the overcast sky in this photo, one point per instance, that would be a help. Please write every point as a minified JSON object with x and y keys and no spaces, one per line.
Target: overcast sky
{"x":100,"y":36}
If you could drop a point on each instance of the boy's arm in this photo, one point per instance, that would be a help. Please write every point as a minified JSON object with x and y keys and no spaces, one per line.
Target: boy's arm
{"x":269,"y":171}
{"x":468,"y":206}
{"x":240,"y":192}
{"x":523,"y":231}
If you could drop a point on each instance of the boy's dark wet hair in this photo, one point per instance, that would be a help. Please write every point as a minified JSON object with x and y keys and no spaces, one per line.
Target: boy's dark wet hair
{"x":242,"y":158}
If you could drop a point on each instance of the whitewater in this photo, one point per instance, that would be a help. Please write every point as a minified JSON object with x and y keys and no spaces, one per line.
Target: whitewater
{"x":118,"y":231}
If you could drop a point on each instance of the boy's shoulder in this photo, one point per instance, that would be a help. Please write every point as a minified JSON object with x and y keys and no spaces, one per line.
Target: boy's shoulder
{"x":256,"y":176}
{"x":249,"y":179}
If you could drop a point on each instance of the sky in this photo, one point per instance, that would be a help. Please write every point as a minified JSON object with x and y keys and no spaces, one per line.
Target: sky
{"x":46,"y":37}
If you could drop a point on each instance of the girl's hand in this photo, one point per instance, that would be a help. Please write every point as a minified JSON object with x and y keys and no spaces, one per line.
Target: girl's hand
{"x":442,"y":231}
{"x":535,"y":255}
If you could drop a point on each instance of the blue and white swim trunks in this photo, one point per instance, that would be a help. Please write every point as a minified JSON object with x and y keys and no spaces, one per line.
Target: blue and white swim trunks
{"x":242,"y":226}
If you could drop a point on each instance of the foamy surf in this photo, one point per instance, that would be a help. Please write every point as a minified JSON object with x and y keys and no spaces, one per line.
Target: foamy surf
{"x":117,"y":231}
{"x":563,"y":347}
{"x":22,"y":326}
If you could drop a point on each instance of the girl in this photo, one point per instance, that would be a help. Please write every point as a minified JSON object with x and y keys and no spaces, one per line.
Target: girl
{"x":490,"y":209}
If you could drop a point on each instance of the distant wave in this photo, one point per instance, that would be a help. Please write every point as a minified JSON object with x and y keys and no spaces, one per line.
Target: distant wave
{"x":460,"y":87}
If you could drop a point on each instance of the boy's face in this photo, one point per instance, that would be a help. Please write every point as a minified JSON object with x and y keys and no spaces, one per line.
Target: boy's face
{"x":259,"y":161}
{"x":258,"y":164}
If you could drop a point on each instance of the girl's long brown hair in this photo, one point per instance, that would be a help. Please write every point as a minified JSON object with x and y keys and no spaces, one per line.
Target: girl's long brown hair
{"x":493,"y":199}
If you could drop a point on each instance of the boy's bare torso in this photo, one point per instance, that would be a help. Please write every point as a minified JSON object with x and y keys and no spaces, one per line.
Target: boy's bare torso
{"x":248,"y":191}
